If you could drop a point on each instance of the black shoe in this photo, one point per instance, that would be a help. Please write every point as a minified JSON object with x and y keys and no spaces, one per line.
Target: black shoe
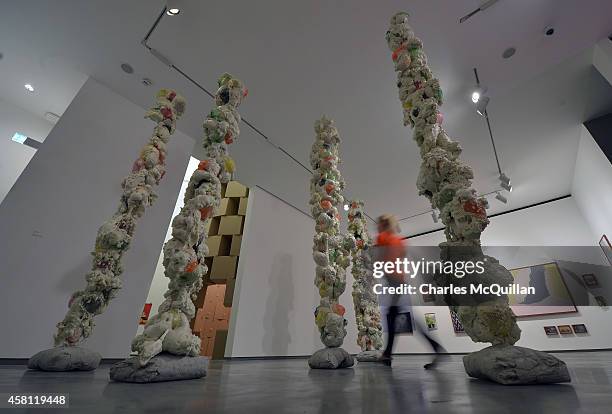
{"x":431,"y":365}
{"x":434,"y":364}
{"x":386,"y":360}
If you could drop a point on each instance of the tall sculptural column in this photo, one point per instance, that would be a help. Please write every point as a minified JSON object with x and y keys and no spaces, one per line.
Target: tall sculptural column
{"x":331,"y":250}
{"x":446,"y":182}
{"x":367,"y":311}
{"x":112,"y":241}
{"x":167,"y":349}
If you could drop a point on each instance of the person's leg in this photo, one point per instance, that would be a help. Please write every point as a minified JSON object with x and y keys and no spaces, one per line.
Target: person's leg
{"x":391,"y":316}
{"x":438,"y":349}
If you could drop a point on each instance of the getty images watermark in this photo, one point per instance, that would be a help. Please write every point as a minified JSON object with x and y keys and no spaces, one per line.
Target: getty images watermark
{"x":459,"y":269}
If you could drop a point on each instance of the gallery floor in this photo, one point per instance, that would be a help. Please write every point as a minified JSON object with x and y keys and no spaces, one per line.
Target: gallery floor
{"x":288,"y":386}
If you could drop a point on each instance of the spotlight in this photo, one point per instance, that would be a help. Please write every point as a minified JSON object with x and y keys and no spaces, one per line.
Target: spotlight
{"x":549,"y":31}
{"x":435,"y":215}
{"x":481,"y":106}
{"x":29,"y":87}
{"x":346,"y":207}
{"x":506,"y":186}
{"x":173,"y":7}
{"x":127,"y":68}
{"x":508,"y":53}
{"x":504,"y":178}
{"x":501,"y":198}
{"x":478,"y":93}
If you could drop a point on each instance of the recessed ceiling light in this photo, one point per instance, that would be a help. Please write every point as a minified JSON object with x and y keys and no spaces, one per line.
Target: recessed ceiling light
{"x":346,"y":207}
{"x":20,"y":138}
{"x":173,"y":12}
{"x":508,"y":53}
{"x":549,"y":31}
{"x":29,"y":87}
{"x":127,"y":68}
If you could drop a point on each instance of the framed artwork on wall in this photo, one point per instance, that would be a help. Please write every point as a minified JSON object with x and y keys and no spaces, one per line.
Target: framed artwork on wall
{"x":580,"y":328}
{"x":430,"y":321}
{"x":605,"y":245}
{"x":551,"y":293}
{"x":457,"y":326}
{"x":146,"y":311}
{"x":551,"y":330}
{"x":565,"y":329}
{"x":403,"y":323}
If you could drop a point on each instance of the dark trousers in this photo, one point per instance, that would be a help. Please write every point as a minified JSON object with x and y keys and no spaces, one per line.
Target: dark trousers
{"x":391,"y":316}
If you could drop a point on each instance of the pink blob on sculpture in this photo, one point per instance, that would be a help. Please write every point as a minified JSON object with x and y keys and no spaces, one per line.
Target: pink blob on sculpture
{"x":171,"y":96}
{"x":138,"y":165}
{"x":326,"y":204}
{"x":439,"y":118}
{"x":206,"y":212}
{"x":228,"y":138}
{"x":166,"y":112}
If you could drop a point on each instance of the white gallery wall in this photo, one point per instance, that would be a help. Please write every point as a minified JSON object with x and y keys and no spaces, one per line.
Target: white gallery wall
{"x":15,"y":156}
{"x":275,"y":295}
{"x":592,"y":185}
{"x":50,"y":218}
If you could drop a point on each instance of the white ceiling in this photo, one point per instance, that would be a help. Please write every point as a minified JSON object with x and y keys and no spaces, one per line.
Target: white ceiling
{"x":304,"y":59}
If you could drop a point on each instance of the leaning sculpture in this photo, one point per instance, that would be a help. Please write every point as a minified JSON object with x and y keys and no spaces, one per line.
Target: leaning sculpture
{"x":365,"y":301}
{"x":331,"y":250}
{"x":167,"y":349}
{"x":112,"y":241}
{"x":446,"y":182}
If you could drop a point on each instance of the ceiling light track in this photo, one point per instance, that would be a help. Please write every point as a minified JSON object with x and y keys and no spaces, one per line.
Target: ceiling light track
{"x":483,"y":7}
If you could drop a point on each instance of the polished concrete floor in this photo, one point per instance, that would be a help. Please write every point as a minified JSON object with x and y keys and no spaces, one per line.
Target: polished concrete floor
{"x":288,"y":386}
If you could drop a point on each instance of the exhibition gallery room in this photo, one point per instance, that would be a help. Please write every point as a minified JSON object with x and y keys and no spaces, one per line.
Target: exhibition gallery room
{"x":309,"y":206}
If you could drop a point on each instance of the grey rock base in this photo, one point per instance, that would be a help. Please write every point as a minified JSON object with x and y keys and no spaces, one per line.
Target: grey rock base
{"x":331,"y":358}
{"x":162,"y":367}
{"x":65,"y":358}
{"x":369,"y":356}
{"x":515,"y":365}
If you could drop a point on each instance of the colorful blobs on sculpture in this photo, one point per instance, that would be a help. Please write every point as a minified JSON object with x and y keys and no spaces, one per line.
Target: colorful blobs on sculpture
{"x":167,"y":335}
{"x":330,"y":250}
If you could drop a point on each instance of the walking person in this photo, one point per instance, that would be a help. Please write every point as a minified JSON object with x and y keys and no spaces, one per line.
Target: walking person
{"x":391,"y":246}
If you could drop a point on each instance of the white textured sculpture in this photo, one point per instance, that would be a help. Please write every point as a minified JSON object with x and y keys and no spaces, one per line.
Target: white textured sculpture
{"x":446,"y":182}
{"x":331,"y":251}
{"x":169,"y":330}
{"x":115,"y":235}
{"x":367,"y":312}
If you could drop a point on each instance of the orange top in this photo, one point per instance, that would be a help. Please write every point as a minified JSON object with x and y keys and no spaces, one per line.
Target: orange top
{"x":394,"y":248}
{"x":387,"y":238}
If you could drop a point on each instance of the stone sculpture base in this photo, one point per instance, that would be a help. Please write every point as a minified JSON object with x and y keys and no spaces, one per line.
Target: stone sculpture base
{"x":515,"y":365}
{"x":369,"y":356}
{"x":331,"y":358}
{"x":65,"y":358}
{"x":162,"y":367}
